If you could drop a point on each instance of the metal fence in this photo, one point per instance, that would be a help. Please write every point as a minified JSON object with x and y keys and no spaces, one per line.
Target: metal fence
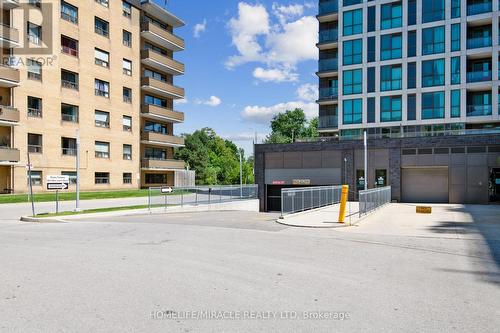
{"x":294,"y":200}
{"x":196,"y":195}
{"x":373,"y":199}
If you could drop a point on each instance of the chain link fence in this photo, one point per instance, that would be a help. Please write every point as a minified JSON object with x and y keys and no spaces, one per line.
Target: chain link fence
{"x":197,"y":195}
{"x":373,"y":199}
{"x":294,"y":200}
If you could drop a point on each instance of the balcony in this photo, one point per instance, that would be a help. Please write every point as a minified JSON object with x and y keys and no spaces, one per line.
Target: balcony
{"x":478,"y":42}
{"x":9,"y":115}
{"x":328,"y":94}
{"x":328,"y":65}
{"x":9,"y":36}
{"x":479,"y":8}
{"x":328,"y":7}
{"x":329,"y":36}
{"x":328,"y":122}
{"x":160,"y":164}
{"x":479,"y":76}
{"x":160,"y":113}
{"x":161,"y":88}
{"x":162,"y":37}
{"x":10,"y":4}
{"x":9,"y":155}
{"x":9,"y":77}
{"x":160,"y":139}
{"x":479,"y":110}
{"x":161,"y":62}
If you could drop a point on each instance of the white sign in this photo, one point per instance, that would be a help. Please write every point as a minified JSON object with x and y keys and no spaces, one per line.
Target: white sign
{"x":57,"y":183}
{"x":58,"y":179}
{"x":166,"y":190}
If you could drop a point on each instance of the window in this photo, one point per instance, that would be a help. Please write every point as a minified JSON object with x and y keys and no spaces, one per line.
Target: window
{"x":411,"y":107}
{"x":455,"y":9}
{"x":156,"y":178}
{"x":34,"y":33}
{"x":35,"y":143}
{"x":34,"y":70}
{"x":101,"y":149}
{"x":412,"y":12}
{"x":353,"y":82}
{"x":69,"y":113}
{"x":35,"y":3}
{"x":391,"y":15}
{"x":390,"y":108}
{"x":102,"y":119}
{"x":156,"y":49}
{"x":69,"y":12}
{"x":370,"y":105}
{"x":69,"y":79}
{"x":412,"y":75}
{"x":155,"y":153}
{"x":101,"y":27}
{"x":151,"y":100}
{"x":479,"y":103}
{"x":455,"y":37}
{"x":127,"y":95}
{"x":455,"y":103}
{"x":150,"y":126}
{"x":127,"y":67}
{"x":127,"y":38}
{"x":127,"y":178}
{"x":352,"y":2}
{"x":412,"y":43}
{"x":101,"y":178}
{"x":455,"y":70}
{"x":433,"y":40}
{"x":36,"y":178}
{"x":353,"y":111}
{"x":372,"y":20}
{"x":101,"y":58}
{"x":371,"y":79}
{"x":353,"y":52}
{"x":127,"y":123}
{"x":353,"y":22}
{"x":433,"y":105}
{"x":127,"y":9}
{"x":432,"y":10}
{"x":101,"y":88}
{"x":69,"y":46}
{"x":104,"y":3}
{"x":127,"y":152}
{"x":34,"y":107}
{"x":371,"y":49}
{"x":478,"y":37}
{"x":71,"y":175}
{"x":391,"y":77}
{"x":390,"y":46}
{"x":68,"y":146}
{"x":433,"y":73}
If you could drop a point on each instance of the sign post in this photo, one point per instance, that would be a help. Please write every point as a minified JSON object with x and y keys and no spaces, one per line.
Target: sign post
{"x":29,"y":166}
{"x":57,"y":183}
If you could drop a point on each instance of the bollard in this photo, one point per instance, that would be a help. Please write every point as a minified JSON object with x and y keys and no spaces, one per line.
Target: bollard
{"x":343,"y":202}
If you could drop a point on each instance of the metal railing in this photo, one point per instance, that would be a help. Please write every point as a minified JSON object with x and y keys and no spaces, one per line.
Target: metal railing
{"x":295,"y":200}
{"x":373,"y":199}
{"x":196,"y":195}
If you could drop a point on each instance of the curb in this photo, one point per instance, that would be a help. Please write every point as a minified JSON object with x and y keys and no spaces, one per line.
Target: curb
{"x":333,"y":225}
{"x":40,"y":220}
{"x":306,"y":212}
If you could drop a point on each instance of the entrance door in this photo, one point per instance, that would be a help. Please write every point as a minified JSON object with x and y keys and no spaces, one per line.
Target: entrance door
{"x":494,"y":185}
{"x":425,"y":185}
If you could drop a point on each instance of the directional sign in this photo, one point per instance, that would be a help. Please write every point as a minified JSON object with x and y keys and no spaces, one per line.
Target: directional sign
{"x":57,"y":183}
{"x":166,"y":190}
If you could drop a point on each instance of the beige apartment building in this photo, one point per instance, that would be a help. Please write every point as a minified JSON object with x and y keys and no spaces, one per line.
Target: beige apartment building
{"x":104,"y":69}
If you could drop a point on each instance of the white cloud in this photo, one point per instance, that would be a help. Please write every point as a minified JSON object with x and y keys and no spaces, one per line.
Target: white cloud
{"x":182,"y":101}
{"x":199,"y":28}
{"x":212,"y":101}
{"x":274,"y":75}
{"x":245,"y":136}
{"x":308,"y":92}
{"x":264,"y":114}
{"x":285,"y":13}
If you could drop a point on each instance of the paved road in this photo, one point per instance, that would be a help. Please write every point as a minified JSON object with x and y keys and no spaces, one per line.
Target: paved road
{"x":114,"y":275}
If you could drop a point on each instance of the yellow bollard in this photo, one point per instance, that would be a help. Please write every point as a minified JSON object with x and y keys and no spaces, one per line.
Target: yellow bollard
{"x":343,"y":203}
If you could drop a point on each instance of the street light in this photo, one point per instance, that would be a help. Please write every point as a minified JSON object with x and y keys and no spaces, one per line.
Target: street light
{"x":241,"y":174}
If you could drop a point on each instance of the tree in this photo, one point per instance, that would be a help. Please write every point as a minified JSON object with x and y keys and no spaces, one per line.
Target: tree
{"x":291,"y":125}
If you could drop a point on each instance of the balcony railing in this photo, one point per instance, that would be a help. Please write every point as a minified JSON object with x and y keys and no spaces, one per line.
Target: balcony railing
{"x":326,"y":122}
{"x":9,"y":33}
{"x":328,"y":7}
{"x":478,"y":42}
{"x":479,"y":76}
{"x":479,"y":8}
{"x":70,"y":18}
{"x":158,"y":163}
{"x":69,"y":84}
{"x":69,"y":151}
{"x":35,"y":113}
{"x":328,"y":65}
{"x":9,"y":154}
{"x":328,"y":93}
{"x":164,"y":37}
{"x":162,"y":138}
{"x":8,"y":113}
{"x":73,"y":118}
{"x":479,"y":110}
{"x":329,"y":36}
{"x":158,"y":111}
{"x":103,"y":124}
{"x":36,"y":149}
{"x":101,"y":154}
{"x":69,"y":50}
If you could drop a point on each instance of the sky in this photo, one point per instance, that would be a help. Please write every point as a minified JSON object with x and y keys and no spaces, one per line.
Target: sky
{"x":245,"y":62}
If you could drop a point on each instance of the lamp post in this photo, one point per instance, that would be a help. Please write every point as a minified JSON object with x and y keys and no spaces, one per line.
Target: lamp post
{"x":366,"y":160}
{"x":77,"y":207}
{"x":241,"y":174}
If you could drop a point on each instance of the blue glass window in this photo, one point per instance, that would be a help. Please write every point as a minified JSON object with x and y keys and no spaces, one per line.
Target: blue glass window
{"x":433,"y":105}
{"x":370,"y":106}
{"x":479,"y":104}
{"x":432,"y":10}
{"x":371,"y":79}
{"x":352,"y":2}
{"x":433,"y":40}
{"x":412,"y":43}
{"x":390,"y":46}
{"x":353,"y":52}
{"x":455,"y":103}
{"x":455,"y":70}
{"x":455,"y":37}
{"x":412,"y":12}
{"x":372,"y":20}
{"x":390,"y":77}
{"x":433,"y":73}
{"x":412,"y":75}
{"x":352,"y":82}
{"x":455,"y":8}
{"x":353,"y":22}
{"x":390,"y":108}
{"x":353,"y":111}
{"x":391,"y":15}
{"x":411,"y":107}
{"x":371,"y":49}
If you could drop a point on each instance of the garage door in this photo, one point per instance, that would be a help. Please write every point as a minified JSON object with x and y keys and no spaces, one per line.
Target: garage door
{"x":425,"y":185}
